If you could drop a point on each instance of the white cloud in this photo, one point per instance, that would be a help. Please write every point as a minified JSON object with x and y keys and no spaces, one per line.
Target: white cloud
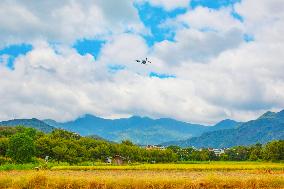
{"x":201,"y":34}
{"x":65,"y":21}
{"x":260,"y":14}
{"x":197,"y":46}
{"x":124,"y":49}
{"x":266,"y":21}
{"x":206,"y":18}
{"x":64,"y":85}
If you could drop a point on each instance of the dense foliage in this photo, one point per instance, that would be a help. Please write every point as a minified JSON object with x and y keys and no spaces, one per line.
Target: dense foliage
{"x":64,"y":146}
{"x":21,"y":145}
{"x":21,"y":148}
{"x":272,"y":151}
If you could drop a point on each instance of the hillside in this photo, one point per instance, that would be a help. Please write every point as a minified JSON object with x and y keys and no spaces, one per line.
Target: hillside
{"x":270,"y":126}
{"x":34,"y":123}
{"x":140,"y":130}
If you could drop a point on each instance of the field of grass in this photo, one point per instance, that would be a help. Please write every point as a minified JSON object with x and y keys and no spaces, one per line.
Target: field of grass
{"x":205,"y":166}
{"x":146,"y":176}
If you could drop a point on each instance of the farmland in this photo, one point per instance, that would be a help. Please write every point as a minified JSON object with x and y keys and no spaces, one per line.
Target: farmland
{"x":62,"y":159}
{"x":200,"y":175}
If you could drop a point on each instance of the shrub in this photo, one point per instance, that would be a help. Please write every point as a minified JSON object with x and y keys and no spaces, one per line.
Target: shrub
{"x":21,"y":148}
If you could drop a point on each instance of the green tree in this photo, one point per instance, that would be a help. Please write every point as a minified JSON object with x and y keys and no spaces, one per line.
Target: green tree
{"x":175,"y":149}
{"x":21,"y":148}
{"x":60,"y":152}
{"x":63,"y":134}
{"x":127,"y":142}
{"x":274,"y":150}
{"x":255,"y":152}
{"x":3,"y":146}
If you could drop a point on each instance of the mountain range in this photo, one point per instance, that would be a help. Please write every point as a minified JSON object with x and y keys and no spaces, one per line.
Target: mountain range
{"x":145,"y":130}
{"x":140,"y":130}
{"x":269,"y":126}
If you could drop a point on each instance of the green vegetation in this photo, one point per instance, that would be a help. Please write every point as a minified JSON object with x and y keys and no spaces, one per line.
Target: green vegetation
{"x":22,"y":145}
{"x":21,"y":148}
{"x":27,"y":145}
{"x":201,"y":166}
{"x":272,"y":151}
{"x":74,"y":158}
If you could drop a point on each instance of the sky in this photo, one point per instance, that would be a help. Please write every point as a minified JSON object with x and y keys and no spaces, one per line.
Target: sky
{"x":211,"y":59}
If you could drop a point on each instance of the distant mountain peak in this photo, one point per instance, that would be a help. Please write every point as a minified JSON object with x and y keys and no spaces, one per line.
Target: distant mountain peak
{"x":226,"y":124}
{"x":88,"y":116}
{"x":139,"y":117}
{"x":34,"y":123}
{"x":268,"y":115}
{"x":225,"y":121}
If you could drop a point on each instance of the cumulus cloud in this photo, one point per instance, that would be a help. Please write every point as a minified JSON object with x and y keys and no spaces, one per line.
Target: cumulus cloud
{"x":210,"y":19}
{"x":201,"y":34}
{"x":218,"y":74}
{"x":124,"y":49}
{"x":197,"y":46}
{"x":257,"y":15}
{"x":65,"y":21}
{"x":63,"y":84}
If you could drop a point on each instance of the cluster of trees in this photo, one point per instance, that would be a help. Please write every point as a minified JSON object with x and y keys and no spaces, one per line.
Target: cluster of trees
{"x":272,"y":151}
{"x":22,"y":145}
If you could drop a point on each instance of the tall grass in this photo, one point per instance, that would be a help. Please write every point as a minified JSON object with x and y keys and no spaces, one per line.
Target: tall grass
{"x":140,"y":179}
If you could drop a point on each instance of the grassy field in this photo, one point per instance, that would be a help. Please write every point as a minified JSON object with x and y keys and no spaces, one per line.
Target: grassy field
{"x":163,"y":176}
{"x":208,"y":166}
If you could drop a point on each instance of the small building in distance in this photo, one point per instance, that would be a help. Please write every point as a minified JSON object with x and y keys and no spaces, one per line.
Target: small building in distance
{"x":217,"y":151}
{"x":118,"y":160}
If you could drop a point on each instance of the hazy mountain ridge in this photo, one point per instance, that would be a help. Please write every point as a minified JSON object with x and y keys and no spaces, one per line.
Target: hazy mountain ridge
{"x":34,"y":123}
{"x":269,"y":126}
{"x":144,"y":130}
{"x":140,"y":130}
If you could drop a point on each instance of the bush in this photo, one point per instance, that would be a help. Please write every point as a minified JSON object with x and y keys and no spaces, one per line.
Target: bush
{"x":21,"y":148}
{"x":5,"y":160}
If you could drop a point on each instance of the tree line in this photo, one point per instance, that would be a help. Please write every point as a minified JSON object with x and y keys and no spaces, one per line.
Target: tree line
{"x":272,"y":151}
{"x":23,"y":145}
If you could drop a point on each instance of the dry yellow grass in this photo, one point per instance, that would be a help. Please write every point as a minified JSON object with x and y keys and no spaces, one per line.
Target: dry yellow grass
{"x":141,"y":179}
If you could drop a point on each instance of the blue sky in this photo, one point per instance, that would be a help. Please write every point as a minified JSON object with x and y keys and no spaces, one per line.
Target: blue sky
{"x":89,"y":47}
{"x":152,"y":17}
{"x":13,"y":51}
{"x":211,"y":60}
{"x":213,"y":4}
